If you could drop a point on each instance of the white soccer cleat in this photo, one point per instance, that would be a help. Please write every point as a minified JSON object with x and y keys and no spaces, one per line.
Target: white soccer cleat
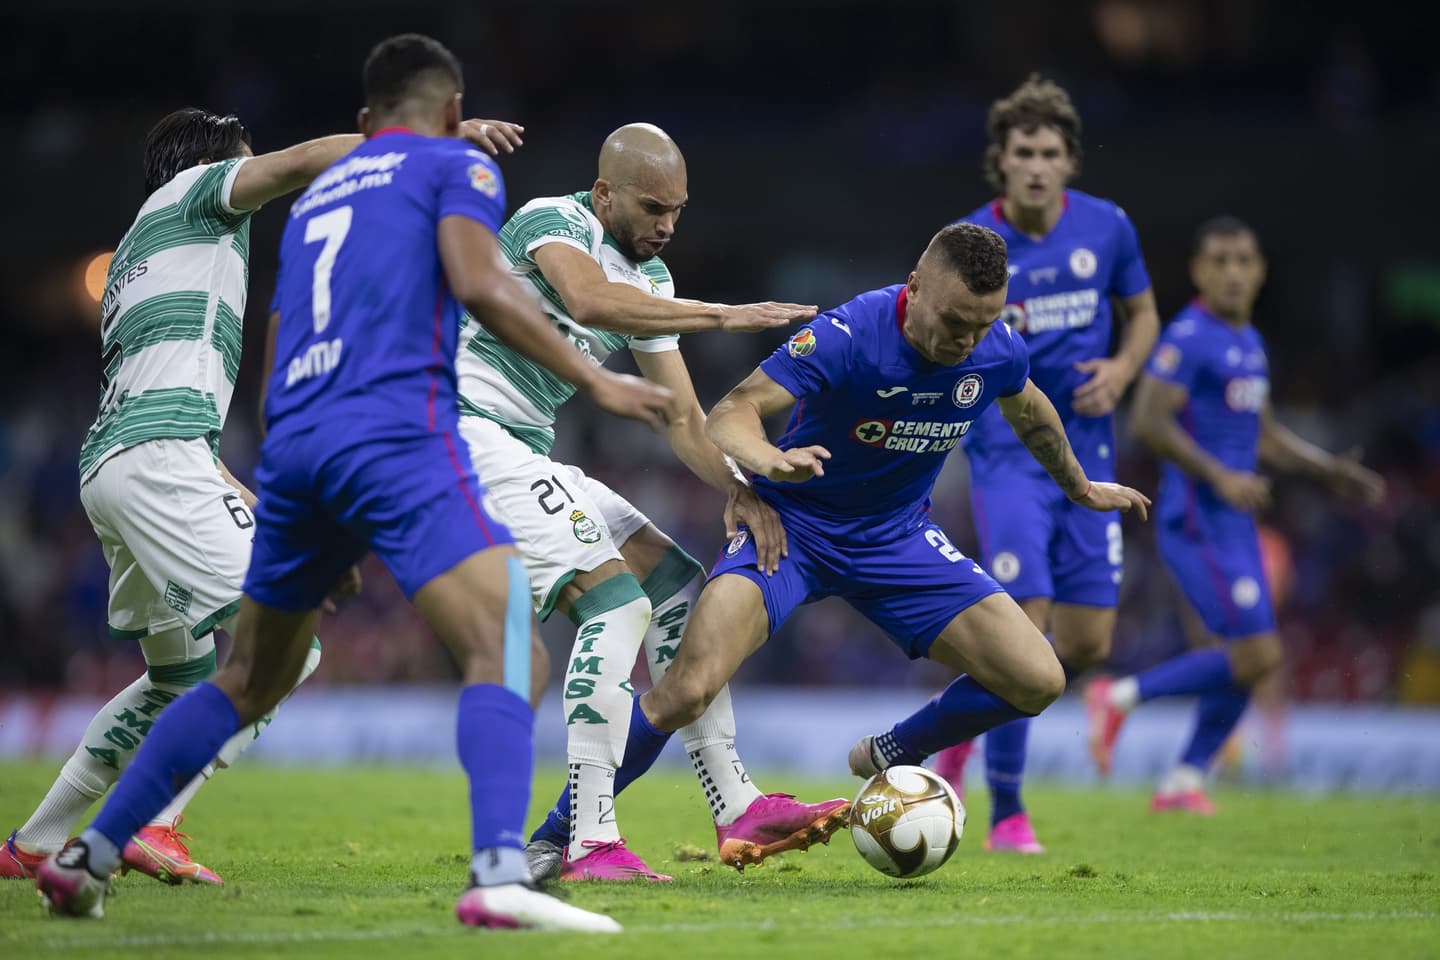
{"x":520,"y":906}
{"x":865,"y":762}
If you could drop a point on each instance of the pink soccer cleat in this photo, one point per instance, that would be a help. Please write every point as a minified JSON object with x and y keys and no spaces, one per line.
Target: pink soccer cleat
{"x":16,"y":864}
{"x":1105,"y":722}
{"x":778,"y":822}
{"x":950,"y":764}
{"x":520,"y":906}
{"x":609,"y":861}
{"x":68,"y":887}
{"x":1183,"y":801}
{"x":1014,"y":834}
{"x":160,"y":852}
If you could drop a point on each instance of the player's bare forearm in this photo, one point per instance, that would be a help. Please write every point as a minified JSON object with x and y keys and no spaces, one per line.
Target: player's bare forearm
{"x":621,"y":308}
{"x":1164,"y":437}
{"x":1286,"y":451}
{"x":1142,"y":328}
{"x":1033,"y":418}
{"x":271,"y":175}
{"x":735,"y":428}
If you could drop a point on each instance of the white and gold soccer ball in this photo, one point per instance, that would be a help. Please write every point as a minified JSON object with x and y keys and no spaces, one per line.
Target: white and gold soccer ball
{"x":906,"y":821}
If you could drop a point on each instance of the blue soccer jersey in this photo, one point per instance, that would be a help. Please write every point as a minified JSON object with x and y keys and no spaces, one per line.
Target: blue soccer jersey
{"x":888,"y":417}
{"x":363,"y":449}
{"x":369,"y":329}
{"x":1212,"y":548}
{"x":1059,"y":302}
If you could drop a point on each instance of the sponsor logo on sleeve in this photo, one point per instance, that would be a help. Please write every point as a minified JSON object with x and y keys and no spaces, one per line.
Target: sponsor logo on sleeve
{"x":482,"y":178}
{"x":1167,"y":358}
{"x":802,"y":344}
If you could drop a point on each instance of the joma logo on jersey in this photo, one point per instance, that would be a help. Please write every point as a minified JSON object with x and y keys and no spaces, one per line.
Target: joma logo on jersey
{"x":320,"y":359}
{"x":911,"y":436}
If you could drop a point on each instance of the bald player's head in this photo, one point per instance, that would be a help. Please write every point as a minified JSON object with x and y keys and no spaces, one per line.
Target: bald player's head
{"x":641,"y":189}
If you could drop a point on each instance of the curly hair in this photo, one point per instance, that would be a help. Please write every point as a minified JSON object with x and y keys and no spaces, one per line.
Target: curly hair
{"x":1034,"y":104}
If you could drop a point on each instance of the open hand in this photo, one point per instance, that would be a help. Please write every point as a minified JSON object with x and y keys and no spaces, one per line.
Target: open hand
{"x":1098,"y":396}
{"x":632,"y":397}
{"x":1243,"y":490}
{"x":492,"y":136}
{"x":749,"y":317}
{"x":745,"y":508}
{"x":1104,"y":497}
{"x":797,"y":464}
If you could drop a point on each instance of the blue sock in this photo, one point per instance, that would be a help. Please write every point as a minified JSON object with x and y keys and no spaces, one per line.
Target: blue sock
{"x":495,"y":739}
{"x":1215,"y":719}
{"x":961,"y":712}
{"x":642,"y":749}
{"x":1190,"y":674}
{"x":1005,"y":767}
{"x":187,"y":736}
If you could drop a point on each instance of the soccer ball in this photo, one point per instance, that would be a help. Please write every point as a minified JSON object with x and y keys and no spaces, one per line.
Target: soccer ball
{"x":906,"y":821}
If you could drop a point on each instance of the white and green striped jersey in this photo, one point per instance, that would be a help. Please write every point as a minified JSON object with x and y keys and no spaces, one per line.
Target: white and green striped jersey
{"x":170,"y":317}
{"x":496,"y":382}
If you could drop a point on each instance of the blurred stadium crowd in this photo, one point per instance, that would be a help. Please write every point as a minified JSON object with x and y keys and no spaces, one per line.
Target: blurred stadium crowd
{"x":825,"y":142}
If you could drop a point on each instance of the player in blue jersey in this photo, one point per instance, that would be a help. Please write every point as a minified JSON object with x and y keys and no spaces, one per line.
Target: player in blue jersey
{"x":1203,"y":407}
{"x":1071,"y":254}
{"x":880,"y":390}
{"x":363,"y":453}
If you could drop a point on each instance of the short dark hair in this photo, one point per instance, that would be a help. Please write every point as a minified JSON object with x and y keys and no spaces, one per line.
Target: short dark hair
{"x":187,"y":137}
{"x":397,"y":66}
{"x":978,"y":254}
{"x":1034,"y":104}
{"x":1221,"y":226}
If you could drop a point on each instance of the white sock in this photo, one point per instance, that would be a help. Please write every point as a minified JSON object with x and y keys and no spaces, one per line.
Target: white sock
{"x":232,"y":749}
{"x":1125,"y":694}
{"x":710,"y":740}
{"x":1183,"y":779}
{"x":109,"y":743}
{"x":598,"y":699}
{"x":592,"y":807}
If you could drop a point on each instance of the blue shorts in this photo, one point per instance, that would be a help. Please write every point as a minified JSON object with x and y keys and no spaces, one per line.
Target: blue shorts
{"x":326,"y":501}
{"x":1036,"y":543}
{"x":1214,"y":555}
{"x":911,"y":587}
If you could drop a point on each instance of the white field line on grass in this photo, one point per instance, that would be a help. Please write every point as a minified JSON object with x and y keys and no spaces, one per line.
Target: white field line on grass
{"x":868,"y":923}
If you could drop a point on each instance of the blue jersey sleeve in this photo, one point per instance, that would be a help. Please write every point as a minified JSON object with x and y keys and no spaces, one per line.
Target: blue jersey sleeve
{"x":1020,"y":362}
{"x":471,"y":186}
{"x":1179,"y":355}
{"x":816,"y":358}
{"x":1129,"y":275}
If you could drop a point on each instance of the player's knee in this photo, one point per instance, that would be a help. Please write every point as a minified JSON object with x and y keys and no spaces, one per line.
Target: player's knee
{"x":1253,"y":660}
{"x":254,"y":693}
{"x":1043,"y":687}
{"x":682,"y":700}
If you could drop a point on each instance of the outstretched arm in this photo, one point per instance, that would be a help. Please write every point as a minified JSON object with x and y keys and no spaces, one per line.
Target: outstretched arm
{"x":1153,"y":422}
{"x":598,"y":302}
{"x":476,"y":275}
{"x":1033,"y":418}
{"x":1110,"y":376}
{"x":737,"y":426}
{"x":686,"y":432}
{"x":270,"y":175}
{"x":1283,"y":449}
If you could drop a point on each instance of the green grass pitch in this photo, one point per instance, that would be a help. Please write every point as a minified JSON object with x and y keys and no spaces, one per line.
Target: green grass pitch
{"x":367,"y":862}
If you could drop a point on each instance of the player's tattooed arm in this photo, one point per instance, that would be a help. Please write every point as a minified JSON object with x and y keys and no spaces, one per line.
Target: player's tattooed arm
{"x":737,"y":426}
{"x":1153,"y":422}
{"x":1283,"y":449}
{"x":1033,"y":418}
{"x":1035,"y":422}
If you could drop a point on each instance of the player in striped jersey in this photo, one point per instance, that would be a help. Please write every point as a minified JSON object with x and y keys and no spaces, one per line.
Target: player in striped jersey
{"x":175,"y":526}
{"x":591,"y":262}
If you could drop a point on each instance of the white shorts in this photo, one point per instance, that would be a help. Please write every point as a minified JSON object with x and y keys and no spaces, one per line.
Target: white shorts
{"x":563,"y":522}
{"x":176,"y":536}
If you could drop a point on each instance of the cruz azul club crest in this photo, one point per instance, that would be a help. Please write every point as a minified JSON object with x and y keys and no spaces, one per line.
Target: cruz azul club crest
{"x":967,"y":391}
